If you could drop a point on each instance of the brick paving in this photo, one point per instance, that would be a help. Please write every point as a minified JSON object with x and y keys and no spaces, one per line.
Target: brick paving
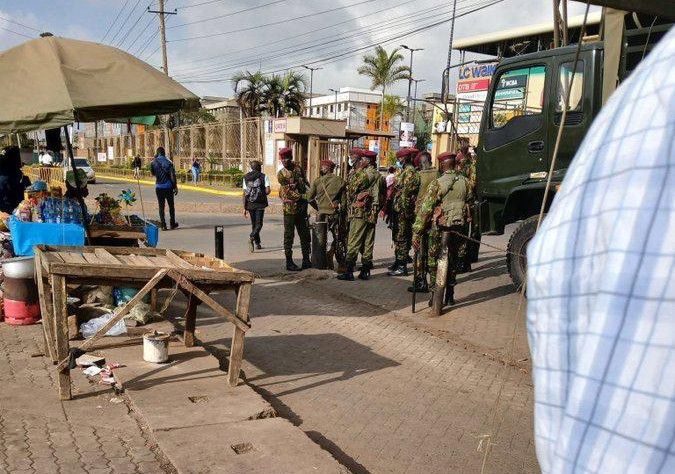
{"x":379,"y":392}
{"x":40,"y":434}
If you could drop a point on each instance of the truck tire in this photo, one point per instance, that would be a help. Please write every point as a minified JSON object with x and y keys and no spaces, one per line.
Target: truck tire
{"x":515,"y":264}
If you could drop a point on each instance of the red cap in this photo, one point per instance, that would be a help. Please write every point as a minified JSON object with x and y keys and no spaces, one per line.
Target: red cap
{"x":406,"y":152}
{"x":285,"y":152}
{"x":445,"y":156}
{"x":356,"y":151}
{"x":328,"y":164}
{"x":369,"y":154}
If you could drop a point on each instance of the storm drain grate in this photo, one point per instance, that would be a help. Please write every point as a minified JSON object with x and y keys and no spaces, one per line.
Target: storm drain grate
{"x":242,"y":448}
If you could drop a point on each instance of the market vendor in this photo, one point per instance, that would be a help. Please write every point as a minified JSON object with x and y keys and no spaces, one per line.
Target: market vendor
{"x":12,"y":181}
{"x":72,"y":191}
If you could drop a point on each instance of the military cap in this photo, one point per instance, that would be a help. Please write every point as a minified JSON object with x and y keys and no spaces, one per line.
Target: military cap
{"x":356,"y":151}
{"x":446,"y":156}
{"x":406,"y":152}
{"x":285,"y":153}
{"x":328,"y":164}
{"x":369,"y":154}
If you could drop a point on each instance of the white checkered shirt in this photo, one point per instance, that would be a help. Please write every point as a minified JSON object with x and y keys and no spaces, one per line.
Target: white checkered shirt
{"x":601,"y":291}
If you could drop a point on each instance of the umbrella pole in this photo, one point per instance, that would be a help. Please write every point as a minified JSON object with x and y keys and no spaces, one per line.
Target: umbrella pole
{"x":80,"y":199}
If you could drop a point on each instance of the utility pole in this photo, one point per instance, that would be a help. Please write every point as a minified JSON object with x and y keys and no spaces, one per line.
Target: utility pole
{"x":311,"y":84}
{"x":335,"y":106}
{"x":417,"y":81}
{"x":410,"y":80}
{"x":452,"y":34}
{"x":162,"y":32}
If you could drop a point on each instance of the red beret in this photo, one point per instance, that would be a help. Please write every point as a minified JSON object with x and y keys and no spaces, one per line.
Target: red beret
{"x":445,"y":156}
{"x":285,"y":152}
{"x":328,"y":163}
{"x":356,"y":151}
{"x":406,"y":152}
{"x":369,"y":154}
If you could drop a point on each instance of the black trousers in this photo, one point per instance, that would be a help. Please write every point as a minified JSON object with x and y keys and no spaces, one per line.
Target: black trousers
{"x":257,"y":216}
{"x":166,"y":196}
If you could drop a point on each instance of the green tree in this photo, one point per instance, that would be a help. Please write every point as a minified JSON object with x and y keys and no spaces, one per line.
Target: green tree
{"x":284,"y":95}
{"x":384,"y":69}
{"x":392,"y":106}
{"x":249,"y":89}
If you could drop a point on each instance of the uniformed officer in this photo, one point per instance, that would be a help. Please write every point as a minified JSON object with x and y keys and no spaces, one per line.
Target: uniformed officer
{"x":468,"y":250}
{"x":406,"y":189}
{"x":326,"y":194}
{"x":293,"y":185}
{"x":445,"y":206}
{"x":363,"y":200}
{"x":426,"y":262}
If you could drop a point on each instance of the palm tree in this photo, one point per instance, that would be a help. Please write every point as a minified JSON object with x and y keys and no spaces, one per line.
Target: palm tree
{"x":285,"y":95}
{"x":273,"y":96}
{"x":392,"y":106}
{"x":384,"y":69}
{"x":249,"y":89}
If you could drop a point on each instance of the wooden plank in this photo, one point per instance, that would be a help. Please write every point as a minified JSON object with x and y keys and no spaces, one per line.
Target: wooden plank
{"x":177,"y":260}
{"x":206,"y":299}
{"x":143,"y":261}
{"x":106,"y":256}
{"x":120,"y":314}
{"x":161,"y":261}
{"x":237,"y":347}
{"x":147,"y":251}
{"x":61,"y":335}
{"x":190,"y":321}
{"x":45,"y":295}
{"x":75,"y":258}
{"x":91,"y":257}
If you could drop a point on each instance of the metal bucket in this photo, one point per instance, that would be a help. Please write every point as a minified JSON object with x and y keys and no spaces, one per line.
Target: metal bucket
{"x":156,"y":347}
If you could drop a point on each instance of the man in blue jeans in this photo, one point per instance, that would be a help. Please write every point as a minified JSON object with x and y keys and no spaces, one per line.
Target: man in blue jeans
{"x":166,"y":186}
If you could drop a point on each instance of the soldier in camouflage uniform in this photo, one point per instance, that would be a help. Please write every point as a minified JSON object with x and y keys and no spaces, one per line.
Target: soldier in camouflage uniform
{"x":407,"y":187}
{"x":327,"y":195}
{"x":426,"y":261}
{"x":466,"y":165}
{"x":363,"y":201}
{"x":293,"y":185}
{"x":444,"y":206}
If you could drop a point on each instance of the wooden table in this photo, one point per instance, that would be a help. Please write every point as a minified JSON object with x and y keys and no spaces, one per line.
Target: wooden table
{"x":145,"y":268}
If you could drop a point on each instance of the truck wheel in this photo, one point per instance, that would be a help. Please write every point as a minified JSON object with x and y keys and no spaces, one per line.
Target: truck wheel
{"x":517,"y":265}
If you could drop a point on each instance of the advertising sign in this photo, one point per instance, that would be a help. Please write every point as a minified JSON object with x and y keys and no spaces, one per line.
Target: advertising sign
{"x":101,"y":157}
{"x":407,"y":135}
{"x":473,"y":85}
{"x":472,"y":88}
{"x":111,"y":153}
{"x":269,"y":152}
{"x":279,"y":126}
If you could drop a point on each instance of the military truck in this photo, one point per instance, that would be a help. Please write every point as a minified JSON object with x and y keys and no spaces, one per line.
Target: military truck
{"x":520,"y":122}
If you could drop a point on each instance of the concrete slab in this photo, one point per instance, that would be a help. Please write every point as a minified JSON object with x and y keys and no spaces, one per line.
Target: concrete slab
{"x":269,"y":445}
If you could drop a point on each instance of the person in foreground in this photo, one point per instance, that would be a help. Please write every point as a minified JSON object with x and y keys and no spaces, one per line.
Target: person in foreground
{"x":601,"y":289}
{"x":166,"y":186}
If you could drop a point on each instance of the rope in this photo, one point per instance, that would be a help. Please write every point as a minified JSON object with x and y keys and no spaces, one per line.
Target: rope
{"x":466,"y":237}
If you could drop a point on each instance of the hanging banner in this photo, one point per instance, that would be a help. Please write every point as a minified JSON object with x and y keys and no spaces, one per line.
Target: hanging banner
{"x":407,"y":135}
{"x":101,"y":157}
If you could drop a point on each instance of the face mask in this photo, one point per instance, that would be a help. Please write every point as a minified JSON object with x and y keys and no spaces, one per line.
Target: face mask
{"x":399,"y":165}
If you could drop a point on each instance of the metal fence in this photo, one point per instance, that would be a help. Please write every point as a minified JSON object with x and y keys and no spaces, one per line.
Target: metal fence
{"x":218,"y":145}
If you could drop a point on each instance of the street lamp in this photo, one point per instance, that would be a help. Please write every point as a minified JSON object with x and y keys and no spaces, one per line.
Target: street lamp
{"x":417,"y":81}
{"x":335,"y":106}
{"x":311,"y":84}
{"x":412,"y":50}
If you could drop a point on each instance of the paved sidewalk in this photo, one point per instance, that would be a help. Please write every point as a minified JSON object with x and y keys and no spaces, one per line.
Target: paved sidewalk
{"x":94,"y":433}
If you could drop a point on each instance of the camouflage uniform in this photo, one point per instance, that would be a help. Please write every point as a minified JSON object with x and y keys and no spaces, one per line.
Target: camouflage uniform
{"x":328,"y":192}
{"x":293,"y":186}
{"x":407,"y":187}
{"x":426,"y":260}
{"x":432,"y":217}
{"x":363,"y":196}
{"x":468,"y":169}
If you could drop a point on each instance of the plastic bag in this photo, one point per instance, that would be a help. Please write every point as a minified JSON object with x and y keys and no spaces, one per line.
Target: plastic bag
{"x":89,"y":328}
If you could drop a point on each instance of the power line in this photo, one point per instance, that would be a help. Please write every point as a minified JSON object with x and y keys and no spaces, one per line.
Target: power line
{"x":147,"y":42}
{"x":224,"y":15}
{"x":15,"y":32}
{"x":114,"y":21}
{"x":279,"y":22}
{"x":402,"y":20}
{"x":336,"y":56}
{"x":126,"y":35}
{"x":20,"y":24}
{"x":143,"y":30}
{"x":277,"y":41}
{"x":125,"y":21}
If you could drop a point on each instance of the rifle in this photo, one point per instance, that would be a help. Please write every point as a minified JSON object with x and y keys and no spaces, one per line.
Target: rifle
{"x":414,"y":286}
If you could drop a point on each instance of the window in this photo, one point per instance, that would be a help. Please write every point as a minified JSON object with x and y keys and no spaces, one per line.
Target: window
{"x":519,"y":92}
{"x":330,"y":109}
{"x":564,"y":81}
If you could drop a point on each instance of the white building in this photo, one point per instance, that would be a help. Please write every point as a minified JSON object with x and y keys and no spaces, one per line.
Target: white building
{"x":359,"y":107}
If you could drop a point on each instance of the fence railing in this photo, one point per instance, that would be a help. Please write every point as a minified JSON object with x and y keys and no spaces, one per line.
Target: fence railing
{"x":216,"y":178}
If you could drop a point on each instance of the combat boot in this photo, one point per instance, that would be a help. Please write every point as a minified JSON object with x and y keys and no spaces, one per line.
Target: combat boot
{"x":419,"y":286}
{"x":306,"y":263}
{"x":401,"y":270}
{"x":393,"y":266}
{"x":291,"y":266}
{"x":364,"y":274}
{"x":348,"y":275}
{"x":449,"y":295}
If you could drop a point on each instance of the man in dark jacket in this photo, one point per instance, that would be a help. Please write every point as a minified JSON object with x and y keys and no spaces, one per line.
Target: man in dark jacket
{"x":166,"y":186}
{"x":12,"y":181}
{"x":256,"y":189}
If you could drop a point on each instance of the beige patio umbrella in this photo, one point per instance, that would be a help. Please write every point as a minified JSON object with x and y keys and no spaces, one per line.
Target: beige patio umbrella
{"x":50,"y":82}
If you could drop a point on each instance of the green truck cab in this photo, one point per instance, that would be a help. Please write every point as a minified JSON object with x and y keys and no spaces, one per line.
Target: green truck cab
{"x":519,"y":126}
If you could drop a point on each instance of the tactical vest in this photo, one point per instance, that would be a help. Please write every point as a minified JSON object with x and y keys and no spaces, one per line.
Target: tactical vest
{"x":426,"y":177}
{"x":453,"y":187}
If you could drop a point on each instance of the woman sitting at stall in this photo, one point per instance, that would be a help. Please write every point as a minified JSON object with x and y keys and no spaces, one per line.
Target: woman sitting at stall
{"x":12,"y":181}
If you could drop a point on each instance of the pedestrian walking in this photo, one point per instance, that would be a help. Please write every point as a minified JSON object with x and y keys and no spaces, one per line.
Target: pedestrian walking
{"x":363,"y":201}
{"x":293,"y":185}
{"x":406,"y":189}
{"x":196,"y":170}
{"x":445,"y":206}
{"x":136,"y":165}
{"x":166,"y":186}
{"x":426,"y":261}
{"x":326,"y":194}
{"x":256,"y":187}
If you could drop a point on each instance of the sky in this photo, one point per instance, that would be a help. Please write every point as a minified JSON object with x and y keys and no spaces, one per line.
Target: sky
{"x":210,"y":40}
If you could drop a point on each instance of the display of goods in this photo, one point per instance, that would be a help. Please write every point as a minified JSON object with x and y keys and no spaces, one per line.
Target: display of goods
{"x":109,"y":212}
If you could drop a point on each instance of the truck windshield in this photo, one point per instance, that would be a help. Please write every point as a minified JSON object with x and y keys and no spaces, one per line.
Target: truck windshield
{"x":519,"y":92}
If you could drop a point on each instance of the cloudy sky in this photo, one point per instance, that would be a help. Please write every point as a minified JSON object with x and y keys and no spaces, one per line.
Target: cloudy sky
{"x":209,"y":40}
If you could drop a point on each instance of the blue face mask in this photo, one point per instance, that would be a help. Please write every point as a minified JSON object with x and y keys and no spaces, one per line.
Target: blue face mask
{"x":399,"y":165}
